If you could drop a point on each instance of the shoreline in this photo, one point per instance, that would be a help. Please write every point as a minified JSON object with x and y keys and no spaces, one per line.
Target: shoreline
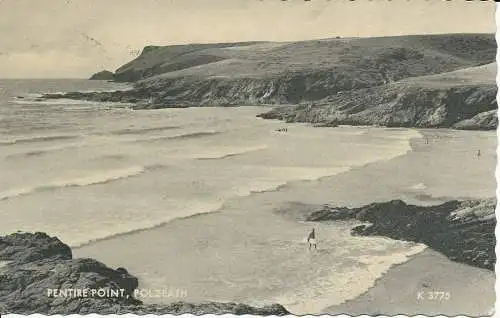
{"x":421,"y":292}
{"x":355,"y":172}
{"x":412,"y":283}
{"x":463,"y":231}
{"x":140,"y":99}
{"x":290,"y":183}
{"x":374,"y":197}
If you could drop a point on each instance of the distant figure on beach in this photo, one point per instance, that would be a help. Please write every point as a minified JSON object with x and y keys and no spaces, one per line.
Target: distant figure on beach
{"x":426,"y":140}
{"x":311,"y":239}
{"x":478,"y":153}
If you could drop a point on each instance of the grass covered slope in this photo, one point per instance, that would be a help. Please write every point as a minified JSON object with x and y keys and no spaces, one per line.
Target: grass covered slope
{"x":373,"y":60}
{"x":155,"y":60}
{"x":291,"y":73}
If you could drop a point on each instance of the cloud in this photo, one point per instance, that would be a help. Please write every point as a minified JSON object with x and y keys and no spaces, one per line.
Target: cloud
{"x":98,"y":34}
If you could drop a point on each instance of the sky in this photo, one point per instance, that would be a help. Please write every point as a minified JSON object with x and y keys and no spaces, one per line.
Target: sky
{"x":75,"y":38}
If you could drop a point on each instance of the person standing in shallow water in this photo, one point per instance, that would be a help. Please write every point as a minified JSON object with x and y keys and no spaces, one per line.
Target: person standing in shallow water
{"x":311,"y":239}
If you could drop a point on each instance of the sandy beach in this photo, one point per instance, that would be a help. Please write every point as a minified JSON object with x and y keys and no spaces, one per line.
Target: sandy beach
{"x":210,"y":203}
{"x":428,"y":284}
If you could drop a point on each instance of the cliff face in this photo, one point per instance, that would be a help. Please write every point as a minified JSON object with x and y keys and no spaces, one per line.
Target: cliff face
{"x":299,"y":72}
{"x":464,"y":99}
{"x":31,"y":265}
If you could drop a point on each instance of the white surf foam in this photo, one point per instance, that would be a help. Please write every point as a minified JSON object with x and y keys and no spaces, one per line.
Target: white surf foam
{"x":88,"y":180}
{"x":255,"y":160}
{"x":419,"y":186}
{"x":180,"y":209}
{"x":340,"y":286}
{"x":8,"y":142}
{"x":247,"y":179}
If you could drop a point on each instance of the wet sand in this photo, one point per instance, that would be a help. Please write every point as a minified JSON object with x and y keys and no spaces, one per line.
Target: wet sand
{"x":428,"y":284}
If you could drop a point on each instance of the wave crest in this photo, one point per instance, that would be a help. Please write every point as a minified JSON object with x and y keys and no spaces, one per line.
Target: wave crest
{"x":134,"y":131}
{"x":225,"y":155}
{"x":37,"y":139}
{"x":103,"y":178}
{"x":192,"y":135}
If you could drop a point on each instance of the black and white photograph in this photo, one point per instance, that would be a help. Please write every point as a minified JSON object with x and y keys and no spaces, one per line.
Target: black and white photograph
{"x":248,"y":157}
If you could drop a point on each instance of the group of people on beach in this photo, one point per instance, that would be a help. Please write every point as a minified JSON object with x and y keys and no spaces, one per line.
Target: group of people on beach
{"x":282,"y":129}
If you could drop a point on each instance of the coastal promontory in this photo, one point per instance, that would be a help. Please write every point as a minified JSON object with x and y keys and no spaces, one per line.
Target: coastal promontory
{"x":427,"y":81}
{"x":103,"y":76}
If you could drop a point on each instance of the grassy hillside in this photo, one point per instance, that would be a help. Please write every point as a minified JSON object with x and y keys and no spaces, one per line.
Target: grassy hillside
{"x":365,"y":61}
{"x":419,"y":80}
{"x":162,"y":59}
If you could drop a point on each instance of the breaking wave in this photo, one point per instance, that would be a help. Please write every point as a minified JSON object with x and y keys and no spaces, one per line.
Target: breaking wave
{"x":185,"y":136}
{"x":37,"y":139}
{"x":102,"y":178}
{"x":133,"y":131}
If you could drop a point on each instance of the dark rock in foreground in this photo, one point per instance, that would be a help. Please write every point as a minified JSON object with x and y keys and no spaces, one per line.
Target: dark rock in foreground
{"x":464,"y":231}
{"x":103,"y":76}
{"x":34,"y":265}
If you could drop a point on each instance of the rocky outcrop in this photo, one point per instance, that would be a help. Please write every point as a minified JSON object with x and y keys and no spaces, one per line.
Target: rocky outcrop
{"x":464,"y":231}
{"x":483,"y":121}
{"x":33,"y":267}
{"x":139,"y":97}
{"x":400,"y":105}
{"x":103,"y":76}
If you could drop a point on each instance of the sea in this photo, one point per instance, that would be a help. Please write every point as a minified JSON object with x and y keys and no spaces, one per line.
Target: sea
{"x":211,"y":201}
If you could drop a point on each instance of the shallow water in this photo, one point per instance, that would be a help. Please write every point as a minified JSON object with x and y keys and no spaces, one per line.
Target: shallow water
{"x":100,"y":173}
{"x":110,"y":170}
